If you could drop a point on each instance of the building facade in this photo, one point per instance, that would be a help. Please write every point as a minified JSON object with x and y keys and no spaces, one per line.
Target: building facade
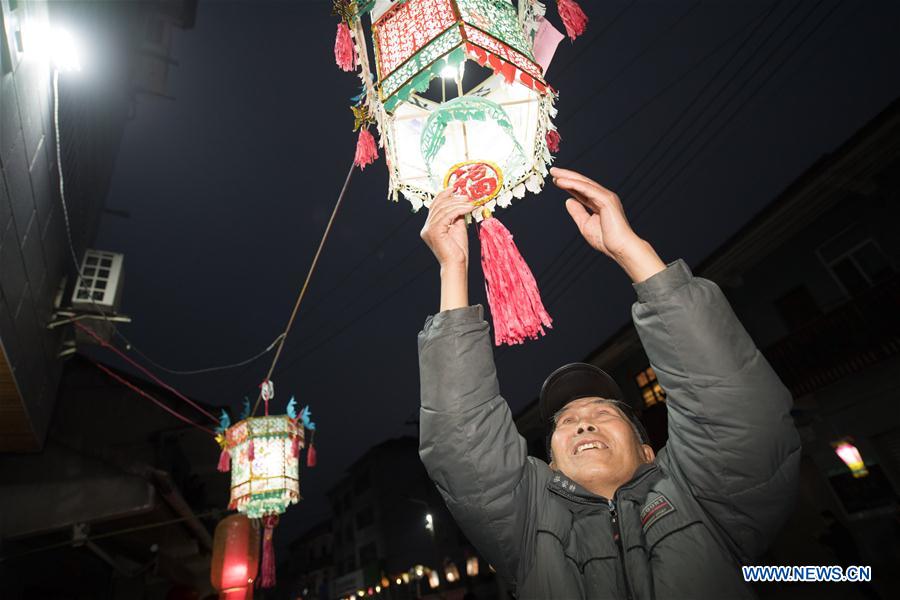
{"x":126,"y":47}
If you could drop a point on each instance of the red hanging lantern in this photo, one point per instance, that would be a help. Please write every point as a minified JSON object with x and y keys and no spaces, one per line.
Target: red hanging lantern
{"x":235,"y":559}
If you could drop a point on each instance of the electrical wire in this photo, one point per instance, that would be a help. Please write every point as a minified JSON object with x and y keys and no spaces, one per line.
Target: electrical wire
{"x":578,"y":268}
{"x":155,"y":379}
{"x":146,"y":395}
{"x":309,"y":274}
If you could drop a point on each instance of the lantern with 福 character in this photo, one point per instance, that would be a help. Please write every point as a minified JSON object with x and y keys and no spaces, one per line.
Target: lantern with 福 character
{"x":263,"y":455}
{"x":460,"y":101}
{"x":235,"y":559}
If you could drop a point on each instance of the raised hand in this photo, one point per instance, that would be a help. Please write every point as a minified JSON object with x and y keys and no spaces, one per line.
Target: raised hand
{"x":600,"y":217}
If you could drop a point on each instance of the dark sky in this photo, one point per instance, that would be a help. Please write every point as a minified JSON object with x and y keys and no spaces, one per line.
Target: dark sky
{"x":229,"y":187}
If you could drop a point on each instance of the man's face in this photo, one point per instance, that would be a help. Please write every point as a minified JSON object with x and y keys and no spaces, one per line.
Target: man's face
{"x":595,"y":445}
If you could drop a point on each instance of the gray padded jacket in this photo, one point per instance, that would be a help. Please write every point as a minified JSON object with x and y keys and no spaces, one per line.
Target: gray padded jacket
{"x":711,"y":501}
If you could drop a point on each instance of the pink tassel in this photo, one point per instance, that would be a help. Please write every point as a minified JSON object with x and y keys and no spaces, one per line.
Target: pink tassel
{"x":512,"y":292}
{"x":268,"y":557}
{"x":224,"y":461}
{"x":344,"y":52}
{"x":311,"y":456}
{"x":295,"y":446}
{"x":251,"y":452}
{"x":366,"y":150}
{"x":553,"y":139}
{"x":572,"y":17}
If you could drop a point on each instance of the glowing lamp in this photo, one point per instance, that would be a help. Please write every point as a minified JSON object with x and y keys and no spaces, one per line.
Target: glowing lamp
{"x":472,"y":566}
{"x":235,"y":559}
{"x":451,"y":572}
{"x":433,"y":579}
{"x":851,"y":457}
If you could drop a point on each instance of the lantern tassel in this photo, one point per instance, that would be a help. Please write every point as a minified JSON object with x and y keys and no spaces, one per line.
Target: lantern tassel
{"x":251,"y":451}
{"x":572,"y":17}
{"x":553,"y":139}
{"x":512,"y":292}
{"x":366,"y":150}
{"x":295,"y":446}
{"x":344,"y":52}
{"x":311,"y":455}
{"x":224,"y":461}
{"x":268,"y":557}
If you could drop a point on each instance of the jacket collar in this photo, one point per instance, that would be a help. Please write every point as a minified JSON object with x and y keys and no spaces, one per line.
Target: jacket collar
{"x":561,"y":485}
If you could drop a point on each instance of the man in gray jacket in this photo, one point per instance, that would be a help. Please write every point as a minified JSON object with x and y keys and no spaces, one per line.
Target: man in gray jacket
{"x":606,"y":518}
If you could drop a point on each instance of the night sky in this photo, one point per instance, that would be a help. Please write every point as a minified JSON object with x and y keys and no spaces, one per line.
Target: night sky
{"x":698,"y":115}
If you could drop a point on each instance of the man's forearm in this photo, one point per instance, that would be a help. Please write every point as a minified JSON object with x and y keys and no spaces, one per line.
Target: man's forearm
{"x":639,"y":260}
{"x":454,"y":287}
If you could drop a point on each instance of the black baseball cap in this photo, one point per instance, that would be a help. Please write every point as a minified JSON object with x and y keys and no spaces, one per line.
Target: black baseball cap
{"x":581,"y":380}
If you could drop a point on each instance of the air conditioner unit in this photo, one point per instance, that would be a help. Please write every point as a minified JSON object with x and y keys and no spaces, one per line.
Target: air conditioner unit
{"x":99,"y":284}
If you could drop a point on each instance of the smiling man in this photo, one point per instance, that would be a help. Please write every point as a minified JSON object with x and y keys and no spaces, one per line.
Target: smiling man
{"x":606,"y":518}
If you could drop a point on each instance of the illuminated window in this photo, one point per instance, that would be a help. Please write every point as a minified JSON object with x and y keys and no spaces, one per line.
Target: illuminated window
{"x":651,"y":391}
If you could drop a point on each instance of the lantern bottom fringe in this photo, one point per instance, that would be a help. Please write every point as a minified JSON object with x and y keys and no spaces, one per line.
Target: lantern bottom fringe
{"x":572,"y":17}
{"x":513,"y":296}
{"x":268,"y":555}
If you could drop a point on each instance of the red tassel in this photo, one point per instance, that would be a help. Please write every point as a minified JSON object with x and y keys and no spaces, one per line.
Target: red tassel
{"x":572,"y":17}
{"x":344,"y":52}
{"x":251,"y":452}
{"x":553,"y":139}
{"x":295,"y":446}
{"x":224,"y":461}
{"x":311,"y":456}
{"x":512,"y":292}
{"x":268,"y":557}
{"x":366,"y":150}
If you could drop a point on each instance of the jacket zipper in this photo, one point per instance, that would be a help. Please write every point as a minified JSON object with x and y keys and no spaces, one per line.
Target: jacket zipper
{"x":617,"y":536}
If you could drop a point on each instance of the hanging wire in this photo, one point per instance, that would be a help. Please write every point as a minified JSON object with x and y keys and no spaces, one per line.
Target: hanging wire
{"x":141,"y":392}
{"x":155,"y":379}
{"x":309,"y":274}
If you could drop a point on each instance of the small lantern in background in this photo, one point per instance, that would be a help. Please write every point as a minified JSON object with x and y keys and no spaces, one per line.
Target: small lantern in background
{"x":849,"y":453}
{"x":433,"y":579}
{"x":263,"y":455}
{"x":235,"y":559}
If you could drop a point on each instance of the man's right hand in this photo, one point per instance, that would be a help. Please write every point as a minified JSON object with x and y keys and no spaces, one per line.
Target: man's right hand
{"x":445,"y":229}
{"x":445,"y":233}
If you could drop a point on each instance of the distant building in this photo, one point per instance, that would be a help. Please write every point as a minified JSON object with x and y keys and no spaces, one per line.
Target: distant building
{"x":128,"y":45}
{"x":389,"y":524}
{"x":815,"y":279}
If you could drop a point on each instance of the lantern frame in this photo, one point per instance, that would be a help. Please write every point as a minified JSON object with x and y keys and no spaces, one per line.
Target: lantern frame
{"x":446,"y":33}
{"x":270,"y":490}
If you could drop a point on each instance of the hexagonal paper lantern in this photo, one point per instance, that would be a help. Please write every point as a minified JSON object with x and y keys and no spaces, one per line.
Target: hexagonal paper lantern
{"x":501,"y":123}
{"x":265,"y":465}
